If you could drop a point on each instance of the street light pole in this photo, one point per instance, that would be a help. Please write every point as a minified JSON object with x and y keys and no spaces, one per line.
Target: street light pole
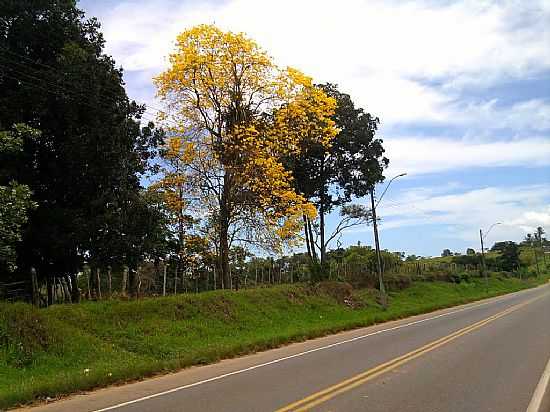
{"x":387,"y":186}
{"x":383,"y":296}
{"x":483,"y":269}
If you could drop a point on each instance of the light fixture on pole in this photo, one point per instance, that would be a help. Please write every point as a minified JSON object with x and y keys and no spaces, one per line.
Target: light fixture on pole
{"x":383,"y":296}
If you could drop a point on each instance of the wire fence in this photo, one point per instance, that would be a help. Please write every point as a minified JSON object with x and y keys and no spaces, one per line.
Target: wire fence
{"x":170,"y":279}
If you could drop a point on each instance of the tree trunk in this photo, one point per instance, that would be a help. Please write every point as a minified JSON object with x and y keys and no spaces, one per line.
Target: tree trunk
{"x":322,"y":208}
{"x":224,"y":232}
{"x":313,"y":250}
{"x":224,"y":258}
{"x":322,"y":227}
{"x":176,"y":278}
{"x":124,"y":281}
{"x":88,"y":284}
{"x":215,"y":279}
{"x":132,"y":281}
{"x":98,"y":284}
{"x":309,"y":253}
{"x":164,"y":279}
{"x":138,"y":283}
{"x":110,"y":280}
{"x":75,"y":291}
{"x":49,"y":287}
{"x":66,"y":293}
{"x":35,"y":288}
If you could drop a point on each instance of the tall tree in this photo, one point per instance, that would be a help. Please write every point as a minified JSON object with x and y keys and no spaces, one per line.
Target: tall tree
{"x":238,"y":114}
{"x":509,"y":257}
{"x":333,"y":175}
{"x":172,"y":188}
{"x":84,"y":169}
{"x":15,"y":198}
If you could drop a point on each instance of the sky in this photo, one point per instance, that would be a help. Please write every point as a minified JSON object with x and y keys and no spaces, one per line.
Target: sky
{"x":462,"y":90}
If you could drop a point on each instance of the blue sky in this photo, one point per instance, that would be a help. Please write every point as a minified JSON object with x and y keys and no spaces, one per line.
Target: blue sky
{"x":462,"y":90}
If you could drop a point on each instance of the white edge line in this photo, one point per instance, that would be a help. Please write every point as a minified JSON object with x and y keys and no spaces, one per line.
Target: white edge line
{"x":538,"y":395}
{"x":300,"y":354}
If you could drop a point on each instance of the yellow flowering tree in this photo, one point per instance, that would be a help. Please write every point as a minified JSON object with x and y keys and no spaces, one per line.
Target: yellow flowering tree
{"x":172,"y":187}
{"x":234,"y":116}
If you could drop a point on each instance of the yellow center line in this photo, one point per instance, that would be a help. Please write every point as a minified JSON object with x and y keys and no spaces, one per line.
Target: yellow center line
{"x":330,"y":392}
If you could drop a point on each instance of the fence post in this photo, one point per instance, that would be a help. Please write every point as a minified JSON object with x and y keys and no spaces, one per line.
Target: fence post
{"x":35,"y":290}
{"x":164,"y":279}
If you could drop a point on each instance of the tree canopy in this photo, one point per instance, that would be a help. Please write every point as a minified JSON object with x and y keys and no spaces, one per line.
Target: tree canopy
{"x":332,"y":175}
{"x":84,"y":167}
{"x":236,"y":115}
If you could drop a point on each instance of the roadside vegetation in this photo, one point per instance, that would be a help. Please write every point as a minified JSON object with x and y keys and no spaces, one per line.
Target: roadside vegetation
{"x":67,"y":348}
{"x":136,"y":240}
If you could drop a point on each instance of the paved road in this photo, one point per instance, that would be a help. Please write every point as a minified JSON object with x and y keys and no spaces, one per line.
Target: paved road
{"x":486,"y":356}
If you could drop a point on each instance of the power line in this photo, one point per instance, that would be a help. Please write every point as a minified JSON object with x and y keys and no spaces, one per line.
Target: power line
{"x":50,"y":70}
{"x":424,"y":214}
{"x":71,"y":93}
{"x":56,"y":70}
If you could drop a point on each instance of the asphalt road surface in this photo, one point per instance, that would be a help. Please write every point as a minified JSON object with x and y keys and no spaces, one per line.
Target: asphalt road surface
{"x":491,"y":355}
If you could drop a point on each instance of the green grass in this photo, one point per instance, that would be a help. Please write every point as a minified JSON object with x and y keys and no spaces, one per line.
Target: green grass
{"x":67,"y":348}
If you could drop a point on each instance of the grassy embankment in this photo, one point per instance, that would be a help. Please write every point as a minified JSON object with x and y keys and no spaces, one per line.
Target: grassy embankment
{"x":67,"y":348}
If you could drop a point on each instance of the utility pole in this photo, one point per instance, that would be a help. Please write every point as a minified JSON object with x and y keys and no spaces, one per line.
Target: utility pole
{"x":536,"y":257}
{"x":483,"y":271}
{"x":383,"y":297}
{"x":540,"y":232}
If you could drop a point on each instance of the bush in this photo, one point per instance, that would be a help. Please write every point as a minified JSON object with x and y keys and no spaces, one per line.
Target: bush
{"x":397,"y":281}
{"x":460,"y":277}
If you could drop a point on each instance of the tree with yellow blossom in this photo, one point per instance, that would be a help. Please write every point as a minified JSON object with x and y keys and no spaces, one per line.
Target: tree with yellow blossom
{"x":233,"y":116}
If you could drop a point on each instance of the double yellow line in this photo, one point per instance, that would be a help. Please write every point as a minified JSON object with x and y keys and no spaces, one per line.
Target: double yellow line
{"x":326,"y":394}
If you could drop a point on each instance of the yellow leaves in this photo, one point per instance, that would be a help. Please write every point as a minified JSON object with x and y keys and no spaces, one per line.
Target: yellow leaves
{"x":240,"y":114}
{"x":208,"y":70}
{"x":298,"y":77}
{"x":179,"y":150}
{"x":174,"y":147}
{"x":307,"y":116}
{"x":170,"y":187}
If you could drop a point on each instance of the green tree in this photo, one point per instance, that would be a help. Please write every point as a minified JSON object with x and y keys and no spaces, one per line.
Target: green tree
{"x":501,"y":246}
{"x":509,"y":257}
{"x":470,"y":252}
{"x":365,"y":255}
{"x":237,"y":115}
{"x":332,"y":176}
{"x":446,"y":253}
{"x":84,"y":169}
{"x":15,"y":198}
{"x":540,"y":240}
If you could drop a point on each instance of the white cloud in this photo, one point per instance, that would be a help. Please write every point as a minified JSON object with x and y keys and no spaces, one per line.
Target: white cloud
{"x":376,"y":50}
{"x":528,"y":221}
{"x":520,"y":209}
{"x":533,"y":114}
{"x":420,"y":155}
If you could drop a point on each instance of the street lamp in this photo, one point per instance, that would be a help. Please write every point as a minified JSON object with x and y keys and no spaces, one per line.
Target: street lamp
{"x":483,"y":271}
{"x":384,"y":299}
{"x":388,"y":185}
